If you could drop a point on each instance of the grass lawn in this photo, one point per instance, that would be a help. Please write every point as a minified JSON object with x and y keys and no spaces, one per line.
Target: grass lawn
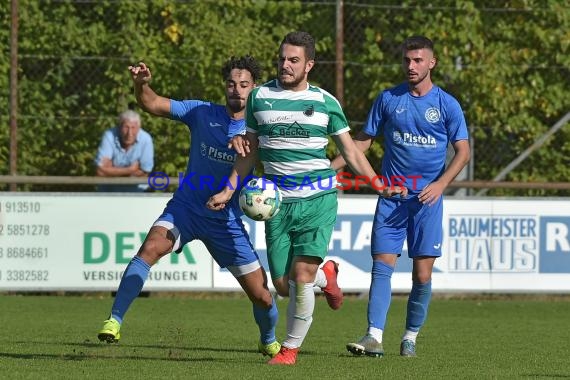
{"x":214,"y":337}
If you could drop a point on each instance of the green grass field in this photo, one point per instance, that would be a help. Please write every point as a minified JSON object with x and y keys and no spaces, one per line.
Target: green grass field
{"x":214,"y":337}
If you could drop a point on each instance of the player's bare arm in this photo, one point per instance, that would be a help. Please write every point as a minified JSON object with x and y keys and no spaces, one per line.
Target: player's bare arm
{"x":352,"y":152}
{"x":432,"y":192}
{"x":241,"y":169}
{"x":362,"y":142}
{"x":355,"y":159}
{"x":147,"y":99}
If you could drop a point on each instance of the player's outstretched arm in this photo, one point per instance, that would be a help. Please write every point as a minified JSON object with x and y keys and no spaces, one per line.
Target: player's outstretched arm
{"x":353,"y":155}
{"x":147,"y":99}
{"x":355,"y":158}
{"x":362,"y":142}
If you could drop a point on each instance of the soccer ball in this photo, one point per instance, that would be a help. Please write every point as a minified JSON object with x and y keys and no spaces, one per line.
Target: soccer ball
{"x":260,"y":199}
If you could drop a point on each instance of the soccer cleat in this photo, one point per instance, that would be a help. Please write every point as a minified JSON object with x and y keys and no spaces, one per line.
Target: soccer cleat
{"x":366,"y":346}
{"x":270,"y":349}
{"x":110,"y":331}
{"x":332,"y":292}
{"x":285,"y":356}
{"x":407,"y":348}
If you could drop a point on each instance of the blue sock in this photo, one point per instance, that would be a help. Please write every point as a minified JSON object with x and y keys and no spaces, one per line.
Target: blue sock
{"x":418,"y":303}
{"x":131,"y":285}
{"x":266,"y":319}
{"x":380,"y":294}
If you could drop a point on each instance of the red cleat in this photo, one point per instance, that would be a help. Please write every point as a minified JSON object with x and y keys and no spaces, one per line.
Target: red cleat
{"x":286,"y":356}
{"x":332,"y":292}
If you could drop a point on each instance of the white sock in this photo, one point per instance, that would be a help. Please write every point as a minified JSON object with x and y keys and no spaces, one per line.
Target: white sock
{"x":410,"y":335}
{"x":320,"y":279}
{"x":376,"y":333}
{"x":299,"y":313}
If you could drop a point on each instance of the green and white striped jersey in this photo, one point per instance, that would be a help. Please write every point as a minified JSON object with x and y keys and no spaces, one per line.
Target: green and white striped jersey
{"x":293,"y":129}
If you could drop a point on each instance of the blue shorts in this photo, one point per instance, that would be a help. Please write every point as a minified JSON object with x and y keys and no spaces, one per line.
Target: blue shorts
{"x":395,"y":220}
{"x":226,"y":240}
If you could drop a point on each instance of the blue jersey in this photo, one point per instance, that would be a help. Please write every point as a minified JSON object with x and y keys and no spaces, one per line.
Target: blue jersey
{"x":210,"y":160}
{"x":416,"y":133}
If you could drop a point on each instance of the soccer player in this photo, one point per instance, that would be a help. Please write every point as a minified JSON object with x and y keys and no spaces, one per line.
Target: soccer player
{"x":186,"y":217}
{"x":288,"y":124}
{"x":417,"y":120}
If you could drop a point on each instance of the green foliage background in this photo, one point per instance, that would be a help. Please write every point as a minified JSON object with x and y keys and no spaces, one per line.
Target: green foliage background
{"x":508,"y":63}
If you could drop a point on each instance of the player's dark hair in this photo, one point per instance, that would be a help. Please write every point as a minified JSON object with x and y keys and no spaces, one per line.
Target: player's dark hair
{"x":246,"y":62}
{"x":417,"y":42}
{"x":303,"y":39}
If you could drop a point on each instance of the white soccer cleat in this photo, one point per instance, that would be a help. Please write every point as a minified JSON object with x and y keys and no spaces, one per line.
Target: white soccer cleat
{"x":367,"y":345}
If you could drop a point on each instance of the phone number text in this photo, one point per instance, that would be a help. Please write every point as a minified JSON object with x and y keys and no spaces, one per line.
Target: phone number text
{"x":24,"y":275}
{"x":24,"y":229}
{"x":20,"y":207}
{"x":23,"y":252}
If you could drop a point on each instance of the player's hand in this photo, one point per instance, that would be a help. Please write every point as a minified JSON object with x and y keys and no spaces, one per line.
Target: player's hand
{"x":387,"y":191}
{"x":218,"y":201}
{"x":240,"y":144}
{"x":431,"y":193}
{"x":391,"y":191}
{"x":140,"y":73}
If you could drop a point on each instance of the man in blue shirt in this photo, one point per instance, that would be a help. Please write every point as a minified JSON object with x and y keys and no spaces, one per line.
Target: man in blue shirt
{"x":417,"y":120}
{"x":186,"y":217}
{"x":125,"y":151}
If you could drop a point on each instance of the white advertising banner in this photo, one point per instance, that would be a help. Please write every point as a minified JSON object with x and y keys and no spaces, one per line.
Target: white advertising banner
{"x":83,"y":242}
{"x":489,"y":245}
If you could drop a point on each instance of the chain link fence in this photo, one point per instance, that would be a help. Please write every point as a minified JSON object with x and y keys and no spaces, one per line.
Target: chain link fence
{"x":82,"y":69}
